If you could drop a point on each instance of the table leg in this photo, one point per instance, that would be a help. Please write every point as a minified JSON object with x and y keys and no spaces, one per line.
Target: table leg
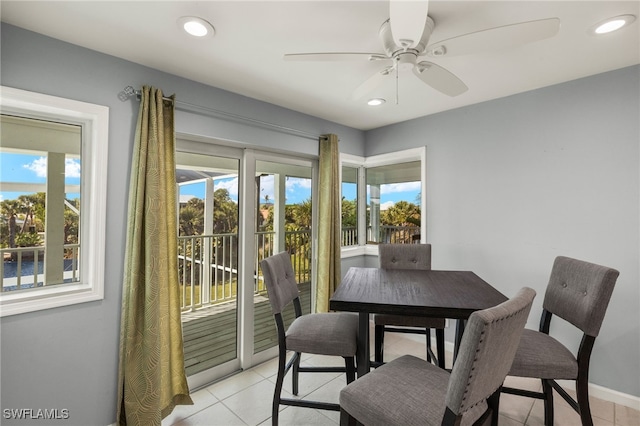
{"x":362,"y":357}
{"x":459,"y":332}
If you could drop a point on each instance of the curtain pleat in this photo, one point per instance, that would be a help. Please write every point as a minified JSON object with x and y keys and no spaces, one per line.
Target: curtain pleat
{"x":151,"y":376}
{"x":328,"y":222}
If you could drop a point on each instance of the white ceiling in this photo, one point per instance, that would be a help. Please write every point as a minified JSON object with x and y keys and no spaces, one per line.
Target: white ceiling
{"x":245,"y":56}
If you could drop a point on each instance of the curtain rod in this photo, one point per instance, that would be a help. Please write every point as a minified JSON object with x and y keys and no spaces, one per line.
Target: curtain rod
{"x":129,"y":92}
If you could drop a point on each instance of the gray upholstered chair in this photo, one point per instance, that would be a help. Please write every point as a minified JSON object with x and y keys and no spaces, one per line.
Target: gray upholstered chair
{"x":410,"y":391}
{"x":321,"y":333}
{"x":579,"y":293}
{"x":407,"y":256}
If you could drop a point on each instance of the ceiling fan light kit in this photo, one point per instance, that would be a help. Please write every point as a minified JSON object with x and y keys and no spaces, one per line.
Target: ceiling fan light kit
{"x":405,"y":42}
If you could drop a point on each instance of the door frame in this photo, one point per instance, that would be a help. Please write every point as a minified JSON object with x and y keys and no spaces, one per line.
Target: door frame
{"x":246,"y":244}
{"x":251,"y":156}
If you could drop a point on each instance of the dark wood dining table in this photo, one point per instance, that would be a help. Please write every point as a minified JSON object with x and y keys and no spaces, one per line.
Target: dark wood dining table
{"x":440,"y":294}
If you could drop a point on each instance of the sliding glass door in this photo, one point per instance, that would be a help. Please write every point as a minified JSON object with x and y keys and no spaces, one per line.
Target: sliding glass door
{"x":208,"y":251}
{"x":237,"y":207}
{"x":284,"y":217}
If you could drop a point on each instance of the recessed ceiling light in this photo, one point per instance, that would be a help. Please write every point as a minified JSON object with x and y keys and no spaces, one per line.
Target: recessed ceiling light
{"x":611,"y":24}
{"x":376,"y":102}
{"x":196,"y":27}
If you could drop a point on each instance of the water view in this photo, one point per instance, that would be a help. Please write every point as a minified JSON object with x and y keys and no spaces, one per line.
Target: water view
{"x":27,"y":269}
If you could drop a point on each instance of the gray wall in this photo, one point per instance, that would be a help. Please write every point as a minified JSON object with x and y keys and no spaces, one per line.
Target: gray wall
{"x":68,"y":357}
{"x":513,"y":183}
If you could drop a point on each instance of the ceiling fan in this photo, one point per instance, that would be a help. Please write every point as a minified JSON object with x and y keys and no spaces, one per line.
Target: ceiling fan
{"x":405,"y":41}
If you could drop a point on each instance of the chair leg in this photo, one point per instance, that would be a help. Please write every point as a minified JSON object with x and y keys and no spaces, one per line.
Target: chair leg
{"x":379,"y":343}
{"x":440,"y":346}
{"x":278,"y":389}
{"x":428,"y":334}
{"x":350,"y":366}
{"x":296,"y":373}
{"x":494,"y":405}
{"x":346,"y":419}
{"x":547,"y":389}
{"x":582,"y":396}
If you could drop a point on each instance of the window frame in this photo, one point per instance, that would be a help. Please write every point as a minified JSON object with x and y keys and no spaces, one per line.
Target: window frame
{"x":94,"y":122}
{"x":362,"y":163}
{"x":356,"y":163}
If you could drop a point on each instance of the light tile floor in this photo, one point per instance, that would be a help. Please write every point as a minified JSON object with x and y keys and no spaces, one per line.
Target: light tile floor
{"x":245,"y":398}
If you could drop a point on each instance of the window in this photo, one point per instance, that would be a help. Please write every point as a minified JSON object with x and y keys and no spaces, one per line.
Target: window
{"x":349,"y":206}
{"x":392,"y":185}
{"x":53,"y":154}
{"x":393,"y":203}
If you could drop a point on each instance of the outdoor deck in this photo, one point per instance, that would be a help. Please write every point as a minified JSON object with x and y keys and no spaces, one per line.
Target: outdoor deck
{"x":210,"y":334}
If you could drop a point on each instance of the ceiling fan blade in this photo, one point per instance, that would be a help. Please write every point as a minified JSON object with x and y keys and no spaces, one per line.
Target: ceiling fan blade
{"x":496,"y":38}
{"x":371,"y":84}
{"x":439,"y":78}
{"x":407,"y":21}
{"x":335,"y":56}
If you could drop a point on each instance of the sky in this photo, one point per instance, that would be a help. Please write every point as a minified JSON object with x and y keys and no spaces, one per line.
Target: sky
{"x":32,"y":169}
{"x":299,"y":189}
{"x":24,"y":168}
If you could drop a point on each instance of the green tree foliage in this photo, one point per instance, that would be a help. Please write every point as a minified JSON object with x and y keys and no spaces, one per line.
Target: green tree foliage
{"x":10,"y":209}
{"x":191,"y":217}
{"x":28,"y":239}
{"x":405,"y":216}
{"x":33,"y":207}
{"x":31,"y":210}
{"x":71,"y":222}
{"x":298,"y":216}
{"x":349,"y":213}
{"x":402,"y":213}
{"x":225,"y":213}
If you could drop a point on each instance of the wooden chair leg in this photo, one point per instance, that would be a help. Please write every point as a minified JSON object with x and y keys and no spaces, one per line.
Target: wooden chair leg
{"x":428,"y":334}
{"x":582,"y":396}
{"x":547,"y":389}
{"x":379,"y":343}
{"x":440,"y":346}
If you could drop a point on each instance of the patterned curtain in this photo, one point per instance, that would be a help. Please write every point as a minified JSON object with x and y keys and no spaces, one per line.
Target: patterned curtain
{"x":151,"y":376}
{"x":329,"y":222}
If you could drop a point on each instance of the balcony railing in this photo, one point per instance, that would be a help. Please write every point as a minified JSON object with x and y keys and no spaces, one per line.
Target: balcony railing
{"x":387,"y":234}
{"x":23,"y":267}
{"x":394,"y":234}
{"x":349,"y":236}
{"x":213,"y":259}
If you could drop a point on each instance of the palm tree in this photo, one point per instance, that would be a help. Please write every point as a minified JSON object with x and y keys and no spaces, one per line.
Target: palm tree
{"x":402,"y":214}
{"x":11,"y":209}
{"x":34,"y":208}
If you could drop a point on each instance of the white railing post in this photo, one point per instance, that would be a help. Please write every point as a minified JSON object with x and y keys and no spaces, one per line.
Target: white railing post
{"x":205,"y":285}
{"x":193,"y":276}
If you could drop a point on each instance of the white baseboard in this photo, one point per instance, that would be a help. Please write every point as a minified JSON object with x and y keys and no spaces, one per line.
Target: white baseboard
{"x":596,"y":391}
{"x":606,"y":394}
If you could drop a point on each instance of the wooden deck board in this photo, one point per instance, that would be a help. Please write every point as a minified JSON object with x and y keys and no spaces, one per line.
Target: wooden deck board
{"x":210,"y":334}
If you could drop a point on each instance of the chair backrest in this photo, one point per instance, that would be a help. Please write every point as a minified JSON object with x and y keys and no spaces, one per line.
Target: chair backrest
{"x":487,"y":350}
{"x":280,"y":281}
{"x":579,"y":292}
{"x":405,"y":256}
